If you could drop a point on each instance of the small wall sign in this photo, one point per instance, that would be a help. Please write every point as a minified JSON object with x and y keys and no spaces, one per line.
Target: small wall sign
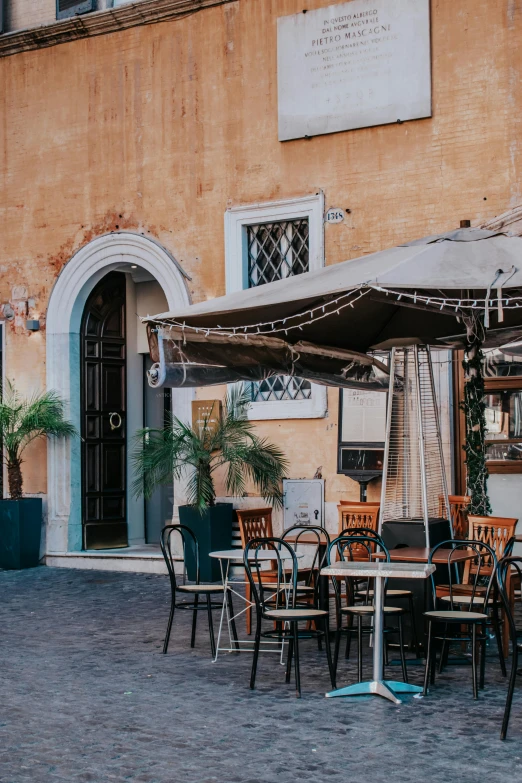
{"x":334,"y":215}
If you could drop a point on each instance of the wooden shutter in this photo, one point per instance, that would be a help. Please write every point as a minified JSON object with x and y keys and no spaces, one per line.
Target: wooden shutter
{"x":65,"y":8}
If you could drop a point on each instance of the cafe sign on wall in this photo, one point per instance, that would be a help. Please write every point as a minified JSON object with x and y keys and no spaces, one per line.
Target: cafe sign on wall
{"x":353,"y":65}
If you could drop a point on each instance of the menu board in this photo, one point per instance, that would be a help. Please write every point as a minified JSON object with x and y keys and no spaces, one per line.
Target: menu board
{"x":363,"y":416}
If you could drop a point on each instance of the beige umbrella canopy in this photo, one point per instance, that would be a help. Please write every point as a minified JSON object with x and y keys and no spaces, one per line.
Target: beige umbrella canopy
{"x":321,"y":324}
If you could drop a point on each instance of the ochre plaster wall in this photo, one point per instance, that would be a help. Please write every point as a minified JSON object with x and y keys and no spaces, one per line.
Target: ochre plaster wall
{"x":158,"y":129}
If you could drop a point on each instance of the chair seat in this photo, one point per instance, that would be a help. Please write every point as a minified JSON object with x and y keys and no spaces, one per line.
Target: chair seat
{"x":295,"y":614}
{"x":465,"y":600}
{"x":455,"y":616}
{"x":368,"y":610}
{"x":395,"y":593}
{"x":199,"y":588}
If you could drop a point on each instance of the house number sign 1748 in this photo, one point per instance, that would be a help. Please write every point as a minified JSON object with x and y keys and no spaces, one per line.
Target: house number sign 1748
{"x":334,"y":215}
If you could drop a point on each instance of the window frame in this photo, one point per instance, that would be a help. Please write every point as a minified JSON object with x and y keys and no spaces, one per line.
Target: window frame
{"x":498,"y":384}
{"x":237,"y":218}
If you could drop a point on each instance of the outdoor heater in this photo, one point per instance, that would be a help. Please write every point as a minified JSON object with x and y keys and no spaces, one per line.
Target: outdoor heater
{"x":414,"y":495}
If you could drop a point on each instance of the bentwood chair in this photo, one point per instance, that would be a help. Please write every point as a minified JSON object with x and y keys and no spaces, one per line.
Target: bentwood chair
{"x":189,"y":540}
{"x":349,"y":548}
{"x":463,"y":616}
{"x":276,"y":601}
{"x":257,"y":523}
{"x":458,"y":511}
{"x":508,"y":568}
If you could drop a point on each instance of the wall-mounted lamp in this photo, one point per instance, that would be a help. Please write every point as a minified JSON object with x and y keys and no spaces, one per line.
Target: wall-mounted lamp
{"x":32,"y":325}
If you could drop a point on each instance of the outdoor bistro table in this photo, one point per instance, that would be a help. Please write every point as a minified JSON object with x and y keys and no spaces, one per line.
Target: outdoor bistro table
{"x":378,"y":571}
{"x":226,"y":557}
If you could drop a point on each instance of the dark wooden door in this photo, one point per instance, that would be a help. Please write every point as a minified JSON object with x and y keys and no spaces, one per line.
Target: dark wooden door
{"x":103,"y":399}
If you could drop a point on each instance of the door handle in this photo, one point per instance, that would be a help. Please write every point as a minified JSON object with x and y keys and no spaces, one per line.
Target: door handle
{"x":115,"y":425}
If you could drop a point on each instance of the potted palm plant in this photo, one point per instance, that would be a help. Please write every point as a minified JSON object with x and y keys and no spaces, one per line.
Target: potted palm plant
{"x":21,"y":422}
{"x":230,"y":444}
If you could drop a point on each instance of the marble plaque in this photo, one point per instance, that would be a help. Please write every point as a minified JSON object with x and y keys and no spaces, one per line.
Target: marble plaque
{"x":353,"y":65}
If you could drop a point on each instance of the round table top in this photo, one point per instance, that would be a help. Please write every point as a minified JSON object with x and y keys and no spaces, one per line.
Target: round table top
{"x":263,"y":554}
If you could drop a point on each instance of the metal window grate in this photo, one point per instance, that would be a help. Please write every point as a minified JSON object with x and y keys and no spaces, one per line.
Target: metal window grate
{"x":277,"y":250}
{"x":281,"y":387}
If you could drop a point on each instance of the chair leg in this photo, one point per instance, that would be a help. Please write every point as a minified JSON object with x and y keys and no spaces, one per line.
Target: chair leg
{"x":511,"y":688}
{"x":257,"y":643}
{"x":337,"y":645}
{"x":474,"y":660}
{"x":443,"y":649}
{"x":428,"y":659}
{"x":232,"y":621}
{"x":289,"y":659}
{"x":194,"y":620}
{"x":296,"y":661}
{"x":169,"y":624}
{"x":329,"y":653}
{"x":211,"y":627}
{"x":482,"y":661}
{"x":359,"y":648}
{"x":248,"y":613}
{"x":403,"y":658}
{"x":498,"y":636}
{"x":414,"y":646}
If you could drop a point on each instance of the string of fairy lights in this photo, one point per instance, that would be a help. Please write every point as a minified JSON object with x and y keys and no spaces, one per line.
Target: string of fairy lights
{"x":461,"y":307}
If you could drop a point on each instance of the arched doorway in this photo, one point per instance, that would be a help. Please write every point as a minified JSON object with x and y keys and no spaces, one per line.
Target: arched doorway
{"x":139,"y":260}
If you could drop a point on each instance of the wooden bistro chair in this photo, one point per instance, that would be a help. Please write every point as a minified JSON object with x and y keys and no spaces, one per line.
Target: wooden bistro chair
{"x":277,"y":601}
{"x":458,"y":512}
{"x":257,"y":523}
{"x":188,"y":539}
{"x":357,"y":514}
{"x":496,"y":532}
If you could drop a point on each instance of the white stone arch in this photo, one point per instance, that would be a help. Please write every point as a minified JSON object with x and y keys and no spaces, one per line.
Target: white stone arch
{"x":70,"y":292}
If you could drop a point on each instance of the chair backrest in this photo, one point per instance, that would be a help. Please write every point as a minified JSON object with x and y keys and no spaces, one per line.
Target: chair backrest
{"x":483,"y":563}
{"x":509,"y":567}
{"x":355,"y":514}
{"x":281,"y":592}
{"x":189,"y":545}
{"x":493,"y":531}
{"x":459,"y":505}
{"x":320,"y":539}
{"x":360,"y":546}
{"x":254,"y":523}
{"x":361,"y":552}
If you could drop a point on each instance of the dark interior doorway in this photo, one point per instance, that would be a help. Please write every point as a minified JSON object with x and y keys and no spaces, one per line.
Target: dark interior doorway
{"x":103,"y":419}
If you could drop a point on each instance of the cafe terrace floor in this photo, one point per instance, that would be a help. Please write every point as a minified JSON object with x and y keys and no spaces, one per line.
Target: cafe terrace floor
{"x":86,"y":695}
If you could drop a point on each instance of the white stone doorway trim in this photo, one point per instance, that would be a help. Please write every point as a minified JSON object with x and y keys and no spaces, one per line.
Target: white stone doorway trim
{"x":74,"y":284}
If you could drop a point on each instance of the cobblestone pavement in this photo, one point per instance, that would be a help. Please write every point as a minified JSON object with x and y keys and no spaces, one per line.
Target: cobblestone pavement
{"x":86,"y":695}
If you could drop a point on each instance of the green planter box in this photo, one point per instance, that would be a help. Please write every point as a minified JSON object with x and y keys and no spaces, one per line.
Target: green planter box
{"x":20,"y":533}
{"x":213,"y":530}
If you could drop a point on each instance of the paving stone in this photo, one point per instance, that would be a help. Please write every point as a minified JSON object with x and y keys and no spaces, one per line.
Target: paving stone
{"x":88,"y":696}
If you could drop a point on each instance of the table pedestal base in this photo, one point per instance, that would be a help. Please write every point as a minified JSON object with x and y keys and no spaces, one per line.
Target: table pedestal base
{"x":385,"y":688}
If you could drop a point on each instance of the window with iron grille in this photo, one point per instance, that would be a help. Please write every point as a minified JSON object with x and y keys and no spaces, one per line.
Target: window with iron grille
{"x":276,"y":251}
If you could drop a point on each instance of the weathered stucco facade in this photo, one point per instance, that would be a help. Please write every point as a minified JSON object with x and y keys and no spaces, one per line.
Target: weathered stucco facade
{"x":158,"y":129}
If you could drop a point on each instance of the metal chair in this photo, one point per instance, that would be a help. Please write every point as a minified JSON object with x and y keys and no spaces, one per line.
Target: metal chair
{"x":467,"y":612}
{"x":196,"y":589}
{"x":276,"y":601}
{"x":349,"y":548}
{"x":256,"y":523}
{"x":508,"y":568}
